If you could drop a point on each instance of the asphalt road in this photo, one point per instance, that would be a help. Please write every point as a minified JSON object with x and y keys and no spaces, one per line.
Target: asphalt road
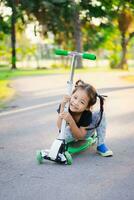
{"x":29,"y":123}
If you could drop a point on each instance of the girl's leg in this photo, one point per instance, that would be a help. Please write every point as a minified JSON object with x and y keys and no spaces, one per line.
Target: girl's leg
{"x":100,"y":130}
{"x":101,"y":133}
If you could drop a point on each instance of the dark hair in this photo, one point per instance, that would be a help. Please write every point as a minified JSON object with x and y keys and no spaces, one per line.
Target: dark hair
{"x":92,"y":94}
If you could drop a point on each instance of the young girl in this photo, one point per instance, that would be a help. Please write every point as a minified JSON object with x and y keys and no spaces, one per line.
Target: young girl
{"x":81,"y":121}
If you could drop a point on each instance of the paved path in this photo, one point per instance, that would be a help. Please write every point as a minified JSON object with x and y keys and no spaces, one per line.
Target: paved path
{"x":30,"y":124}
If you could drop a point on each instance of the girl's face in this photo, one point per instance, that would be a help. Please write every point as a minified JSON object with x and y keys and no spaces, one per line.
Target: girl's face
{"x":79,"y":101}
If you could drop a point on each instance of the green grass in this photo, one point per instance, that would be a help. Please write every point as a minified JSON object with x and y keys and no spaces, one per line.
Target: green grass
{"x":6,"y":73}
{"x":5,"y":90}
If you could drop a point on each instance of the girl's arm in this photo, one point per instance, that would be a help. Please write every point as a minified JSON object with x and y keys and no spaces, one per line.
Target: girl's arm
{"x":66,"y":98}
{"x":78,"y":133}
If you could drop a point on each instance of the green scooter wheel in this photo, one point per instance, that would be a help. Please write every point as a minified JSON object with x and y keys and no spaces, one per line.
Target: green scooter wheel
{"x":69,"y":158}
{"x":39,"y":157}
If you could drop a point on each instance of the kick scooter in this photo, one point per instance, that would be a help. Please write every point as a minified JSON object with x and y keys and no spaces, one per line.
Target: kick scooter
{"x":61,"y":152}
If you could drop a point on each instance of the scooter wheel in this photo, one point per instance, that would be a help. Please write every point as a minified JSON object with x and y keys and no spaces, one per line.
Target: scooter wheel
{"x":69,"y":158}
{"x":39,"y":157}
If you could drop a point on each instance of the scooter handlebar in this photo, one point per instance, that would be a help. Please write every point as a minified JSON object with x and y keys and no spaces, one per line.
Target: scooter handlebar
{"x":61,"y":52}
{"x":88,"y":56}
{"x":83,"y":55}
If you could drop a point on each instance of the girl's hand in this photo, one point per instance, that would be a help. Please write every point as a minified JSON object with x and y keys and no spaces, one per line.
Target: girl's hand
{"x":66,"y":99}
{"x":66,"y":116}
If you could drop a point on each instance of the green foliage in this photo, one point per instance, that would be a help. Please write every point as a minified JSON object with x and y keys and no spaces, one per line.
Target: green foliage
{"x":4,"y":26}
{"x":114,"y":60}
{"x":57,"y":16}
{"x":5,"y":50}
{"x":25,"y":49}
{"x":95,"y":37}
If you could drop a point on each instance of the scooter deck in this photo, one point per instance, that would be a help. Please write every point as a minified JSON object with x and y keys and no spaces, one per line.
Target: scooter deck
{"x":76,"y":147}
{"x":72,"y":148}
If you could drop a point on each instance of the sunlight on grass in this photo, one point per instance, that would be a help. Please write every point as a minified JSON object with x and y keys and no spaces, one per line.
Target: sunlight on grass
{"x":5,"y":91}
{"x":7,"y":73}
{"x":129,"y":78}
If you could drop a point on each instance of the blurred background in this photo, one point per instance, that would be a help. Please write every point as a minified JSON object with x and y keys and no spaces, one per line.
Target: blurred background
{"x":33,"y":82}
{"x":31,"y":30}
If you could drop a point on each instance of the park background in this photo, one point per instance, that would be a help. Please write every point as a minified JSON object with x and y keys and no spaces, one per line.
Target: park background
{"x":30,"y":31}
{"x":33,"y":81}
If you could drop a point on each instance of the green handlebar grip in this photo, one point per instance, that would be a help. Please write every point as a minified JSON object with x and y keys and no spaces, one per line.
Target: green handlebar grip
{"x":89,"y":56}
{"x":66,"y":53}
{"x":61,"y":52}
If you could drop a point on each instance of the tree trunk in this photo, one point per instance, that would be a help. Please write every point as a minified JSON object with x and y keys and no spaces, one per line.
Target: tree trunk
{"x":123,"y":63}
{"x":77,"y":33}
{"x":13,"y":34}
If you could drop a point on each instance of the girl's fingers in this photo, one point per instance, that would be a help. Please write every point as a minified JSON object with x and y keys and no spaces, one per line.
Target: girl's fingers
{"x":63,"y":115}
{"x":66,"y":98}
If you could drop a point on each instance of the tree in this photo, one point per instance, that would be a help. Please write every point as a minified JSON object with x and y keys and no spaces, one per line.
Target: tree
{"x":13,"y":33}
{"x":126,"y":27}
{"x":61,"y":17}
{"x":12,"y":5}
{"x":16,"y":14}
{"x":73,"y":31}
{"x":121,"y":11}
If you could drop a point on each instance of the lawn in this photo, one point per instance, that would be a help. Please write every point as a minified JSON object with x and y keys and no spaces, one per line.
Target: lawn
{"x":6,"y":91}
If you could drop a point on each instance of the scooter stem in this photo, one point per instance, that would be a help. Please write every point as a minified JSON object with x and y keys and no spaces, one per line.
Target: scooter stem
{"x":69,"y":91}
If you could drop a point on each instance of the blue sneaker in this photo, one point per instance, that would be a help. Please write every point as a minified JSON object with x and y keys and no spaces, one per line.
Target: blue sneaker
{"x":104,"y":151}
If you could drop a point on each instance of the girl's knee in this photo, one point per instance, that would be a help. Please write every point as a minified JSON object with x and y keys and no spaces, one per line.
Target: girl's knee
{"x":68,"y":135}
